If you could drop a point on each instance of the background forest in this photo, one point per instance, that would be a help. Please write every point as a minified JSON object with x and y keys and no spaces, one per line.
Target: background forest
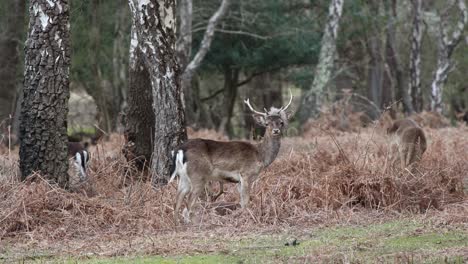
{"x":260,"y":49}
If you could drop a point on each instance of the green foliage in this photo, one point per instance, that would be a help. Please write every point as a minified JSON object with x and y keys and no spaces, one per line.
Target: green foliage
{"x":93,"y":38}
{"x":260,"y":36}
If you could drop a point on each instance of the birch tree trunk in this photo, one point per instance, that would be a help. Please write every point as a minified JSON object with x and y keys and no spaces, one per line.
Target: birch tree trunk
{"x":192,"y":102}
{"x":139,"y":122}
{"x":312,"y":100}
{"x":43,"y":120}
{"x":155,"y":29}
{"x":445,"y":50}
{"x":415,"y":57}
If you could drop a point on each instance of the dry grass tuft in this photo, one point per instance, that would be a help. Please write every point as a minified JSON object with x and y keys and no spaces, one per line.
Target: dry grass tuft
{"x":317,"y":179}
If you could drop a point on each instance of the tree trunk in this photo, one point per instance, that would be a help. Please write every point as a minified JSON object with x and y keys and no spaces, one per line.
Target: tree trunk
{"x":119,"y":59}
{"x":446,"y":48}
{"x":191,"y":98}
{"x":415,"y":57}
{"x":393,"y":61}
{"x":155,"y":28}
{"x":231,"y":77}
{"x":312,"y":100}
{"x":10,"y":57}
{"x":43,"y":121}
{"x":139,"y":123}
{"x":375,"y":73}
{"x":184,"y":51}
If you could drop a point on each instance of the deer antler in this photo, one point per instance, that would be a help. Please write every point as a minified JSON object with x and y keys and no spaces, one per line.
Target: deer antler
{"x":247,"y":102}
{"x":283,"y":108}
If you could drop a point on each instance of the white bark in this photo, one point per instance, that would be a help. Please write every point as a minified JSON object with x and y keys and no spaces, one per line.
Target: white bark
{"x":184,"y":50}
{"x":184,"y":43}
{"x":445,"y":51}
{"x":155,"y":30}
{"x":207,"y":39}
{"x":314,"y":96}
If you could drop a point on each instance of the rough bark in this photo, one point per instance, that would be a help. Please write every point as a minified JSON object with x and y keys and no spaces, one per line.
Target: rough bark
{"x":192,"y":101}
{"x":43,"y":120}
{"x":415,"y":57}
{"x":445,"y":50}
{"x":139,"y":123}
{"x":312,"y":99}
{"x":155,"y":28}
{"x":10,"y":57}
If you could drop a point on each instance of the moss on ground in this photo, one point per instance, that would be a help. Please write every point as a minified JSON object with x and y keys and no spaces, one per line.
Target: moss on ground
{"x":404,"y":241}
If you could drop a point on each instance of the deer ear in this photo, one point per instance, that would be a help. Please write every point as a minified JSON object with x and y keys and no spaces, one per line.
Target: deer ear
{"x":286,"y":115}
{"x":259,"y":119}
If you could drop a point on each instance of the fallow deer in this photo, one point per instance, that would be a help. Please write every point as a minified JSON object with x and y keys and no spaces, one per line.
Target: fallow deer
{"x":410,"y":140}
{"x":80,"y":156}
{"x":199,"y":161}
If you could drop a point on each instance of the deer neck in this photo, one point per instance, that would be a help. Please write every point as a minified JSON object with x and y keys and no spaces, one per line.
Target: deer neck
{"x":268,"y":149}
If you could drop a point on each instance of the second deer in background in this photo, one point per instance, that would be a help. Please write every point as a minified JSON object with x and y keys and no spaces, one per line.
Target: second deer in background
{"x":410,"y":139}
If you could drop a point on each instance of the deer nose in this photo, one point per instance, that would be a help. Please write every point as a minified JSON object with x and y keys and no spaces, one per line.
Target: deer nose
{"x":276,"y":131}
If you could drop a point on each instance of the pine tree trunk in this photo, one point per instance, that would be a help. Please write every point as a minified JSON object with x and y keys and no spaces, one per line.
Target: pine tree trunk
{"x":43,"y":120}
{"x":231,"y":77}
{"x":313,"y":98}
{"x":120,"y":61}
{"x":10,"y":57}
{"x":415,"y":57}
{"x":376,"y":64}
{"x":393,"y":61}
{"x":155,"y":28}
{"x":139,"y":123}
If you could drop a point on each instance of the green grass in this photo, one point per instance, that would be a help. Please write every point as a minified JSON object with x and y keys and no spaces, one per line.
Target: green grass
{"x":395,"y":242}
{"x":201,"y":259}
{"x":87,"y":130}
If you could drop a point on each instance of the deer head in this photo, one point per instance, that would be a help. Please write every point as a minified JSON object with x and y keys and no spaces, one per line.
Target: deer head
{"x":274,"y":120}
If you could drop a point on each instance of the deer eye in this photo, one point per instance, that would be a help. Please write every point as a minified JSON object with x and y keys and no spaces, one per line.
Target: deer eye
{"x":282,"y":123}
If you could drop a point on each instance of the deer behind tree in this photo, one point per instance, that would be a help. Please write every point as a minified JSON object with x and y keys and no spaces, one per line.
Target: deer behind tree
{"x":410,"y":139}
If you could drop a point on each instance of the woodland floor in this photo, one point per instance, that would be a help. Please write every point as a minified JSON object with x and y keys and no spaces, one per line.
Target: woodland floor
{"x":335,"y":193}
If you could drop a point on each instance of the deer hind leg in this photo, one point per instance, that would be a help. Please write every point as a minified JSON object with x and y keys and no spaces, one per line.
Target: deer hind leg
{"x":244,"y":191}
{"x":403,"y":151}
{"x":183,"y":189}
{"x":411,"y":154}
{"x":197,"y":190}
